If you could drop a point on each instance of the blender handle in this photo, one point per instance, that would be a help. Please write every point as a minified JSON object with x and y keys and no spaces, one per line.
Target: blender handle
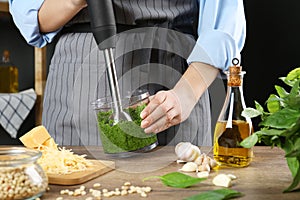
{"x":103,"y":23}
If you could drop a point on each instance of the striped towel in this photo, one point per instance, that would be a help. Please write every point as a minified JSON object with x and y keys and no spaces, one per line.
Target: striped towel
{"x":14,"y":108}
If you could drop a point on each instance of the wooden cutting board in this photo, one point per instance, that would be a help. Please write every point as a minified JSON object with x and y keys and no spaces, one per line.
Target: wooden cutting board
{"x":100,"y":167}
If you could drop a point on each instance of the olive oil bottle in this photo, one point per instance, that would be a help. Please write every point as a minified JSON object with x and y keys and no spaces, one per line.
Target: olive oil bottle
{"x":231,"y":127}
{"x":9,"y":82}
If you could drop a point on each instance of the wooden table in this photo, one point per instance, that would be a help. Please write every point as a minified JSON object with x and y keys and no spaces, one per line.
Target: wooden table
{"x":266,"y":177}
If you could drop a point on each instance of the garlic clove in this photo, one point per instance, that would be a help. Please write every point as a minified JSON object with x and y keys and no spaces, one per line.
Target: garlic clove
{"x":212,"y":163}
{"x":189,"y":167}
{"x":202,"y":168}
{"x":207,"y":167}
{"x":203,"y":174}
{"x":231,"y":176}
{"x":222,"y":180}
{"x":199,"y":159}
{"x":206,"y":160}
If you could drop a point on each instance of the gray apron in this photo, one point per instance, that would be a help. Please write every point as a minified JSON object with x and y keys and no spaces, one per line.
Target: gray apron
{"x":154,"y":40}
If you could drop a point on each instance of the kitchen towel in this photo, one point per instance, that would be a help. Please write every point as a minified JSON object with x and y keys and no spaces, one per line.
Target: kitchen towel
{"x":14,"y":108}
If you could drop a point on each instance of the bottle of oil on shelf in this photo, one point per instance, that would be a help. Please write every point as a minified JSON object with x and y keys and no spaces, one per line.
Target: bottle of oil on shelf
{"x":8,"y":75}
{"x":231,"y":127}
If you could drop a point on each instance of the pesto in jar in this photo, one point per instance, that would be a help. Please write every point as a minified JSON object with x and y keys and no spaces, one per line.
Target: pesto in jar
{"x":124,"y":136}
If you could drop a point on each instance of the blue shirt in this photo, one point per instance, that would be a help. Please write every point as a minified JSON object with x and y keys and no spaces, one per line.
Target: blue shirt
{"x":221,"y":29}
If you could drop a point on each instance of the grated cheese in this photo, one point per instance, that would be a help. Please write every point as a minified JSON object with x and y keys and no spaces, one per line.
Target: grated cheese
{"x":62,"y":161}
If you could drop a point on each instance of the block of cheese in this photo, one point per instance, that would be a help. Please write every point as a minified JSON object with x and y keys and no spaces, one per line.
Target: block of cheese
{"x":35,"y":137}
{"x":50,"y":143}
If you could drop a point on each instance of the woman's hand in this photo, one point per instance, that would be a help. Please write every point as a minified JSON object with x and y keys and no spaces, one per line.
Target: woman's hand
{"x":165,"y":109}
{"x":169,"y":108}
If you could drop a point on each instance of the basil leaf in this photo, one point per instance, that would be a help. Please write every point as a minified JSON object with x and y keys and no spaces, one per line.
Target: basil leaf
{"x":295,"y":150}
{"x":295,"y":89}
{"x":259,"y":107}
{"x":296,"y":180}
{"x":220,"y":194}
{"x":293,"y":162}
{"x":284,"y":118}
{"x":294,"y":153}
{"x":292,"y":77}
{"x":294,"y":132}
{"x":273,"y":103}
{"x":288,"y":82}
{"x":250,"y":112}
{"x":177,"y":179}
{"x":281,"y":91}
{"x":271,"y":132}
{"x":293,"y":102}
{"x":294,"y":74}
{"x":249,"y":141}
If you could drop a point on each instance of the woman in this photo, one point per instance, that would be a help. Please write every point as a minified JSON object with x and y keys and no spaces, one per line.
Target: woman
{"x":173,"y":48}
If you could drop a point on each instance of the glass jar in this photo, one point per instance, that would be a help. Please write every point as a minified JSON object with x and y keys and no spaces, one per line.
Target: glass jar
{"x":125,"y":138}
{"x":21,"y":177}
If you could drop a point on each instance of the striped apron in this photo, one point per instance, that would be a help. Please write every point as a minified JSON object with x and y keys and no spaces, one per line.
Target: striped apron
{"x":154,"y":39}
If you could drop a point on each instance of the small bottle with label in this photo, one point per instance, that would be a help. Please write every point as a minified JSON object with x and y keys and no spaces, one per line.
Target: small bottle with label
{"x":231,"y":127}
{"x":9,"y":82}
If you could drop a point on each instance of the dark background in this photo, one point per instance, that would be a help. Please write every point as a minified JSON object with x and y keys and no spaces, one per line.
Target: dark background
{"x":271,"y":51}
{"x":272,"y":46}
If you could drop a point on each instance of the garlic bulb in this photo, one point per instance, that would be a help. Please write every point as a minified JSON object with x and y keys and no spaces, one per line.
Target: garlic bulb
{"x":194,"y":160}
{"x":187,"y":151}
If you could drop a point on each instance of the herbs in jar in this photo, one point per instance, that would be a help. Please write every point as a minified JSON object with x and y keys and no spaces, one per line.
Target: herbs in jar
{"x":124,"y":138}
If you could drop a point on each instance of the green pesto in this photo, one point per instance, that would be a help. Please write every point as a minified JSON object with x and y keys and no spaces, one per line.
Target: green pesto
{"x":124,"y":136}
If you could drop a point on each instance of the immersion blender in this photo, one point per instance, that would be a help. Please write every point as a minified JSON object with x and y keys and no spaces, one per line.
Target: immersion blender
{"x":104,"y":29}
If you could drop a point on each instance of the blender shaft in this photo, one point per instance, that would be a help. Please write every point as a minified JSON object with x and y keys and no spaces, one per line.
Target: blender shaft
{"x":119,"y":114}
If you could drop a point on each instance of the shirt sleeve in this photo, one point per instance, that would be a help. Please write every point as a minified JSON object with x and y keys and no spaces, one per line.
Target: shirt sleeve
{"x":25,"y":16}
{"x":222,"y":32}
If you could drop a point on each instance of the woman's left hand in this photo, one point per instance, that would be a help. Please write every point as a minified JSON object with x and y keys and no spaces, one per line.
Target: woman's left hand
{"x":171,"y":107}
{"x":165,"y":109}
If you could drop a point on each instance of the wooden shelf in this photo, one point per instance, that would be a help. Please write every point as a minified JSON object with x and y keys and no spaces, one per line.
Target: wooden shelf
{"x":4,"y":7}
{"x":40,"y":69}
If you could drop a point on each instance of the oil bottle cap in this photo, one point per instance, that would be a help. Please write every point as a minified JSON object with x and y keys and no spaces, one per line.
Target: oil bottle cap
{"x":5,"y":56}
{"x":235,"y":75}
{"x":235,"y":69}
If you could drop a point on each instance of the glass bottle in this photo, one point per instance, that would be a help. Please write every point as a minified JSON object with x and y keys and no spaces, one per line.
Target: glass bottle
{"x":231,"y":127}
{"x":8,"y":75}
